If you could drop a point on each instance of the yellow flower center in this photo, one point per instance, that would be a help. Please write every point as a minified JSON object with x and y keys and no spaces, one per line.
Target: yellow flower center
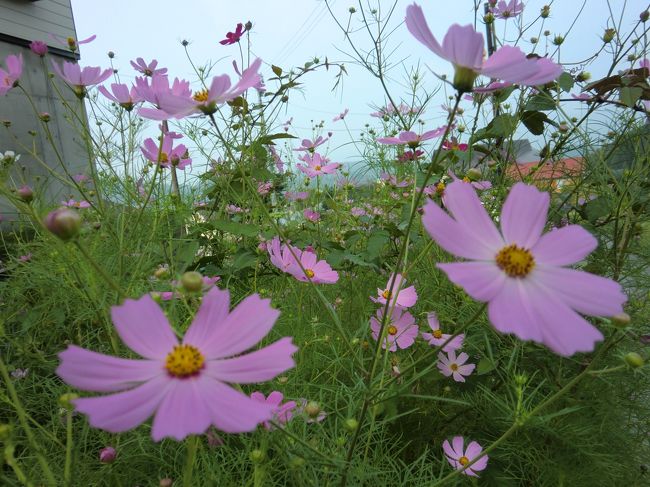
{"x":184,"y":361}
{"x":201,"y":96}
{"x":454,"y":367}
{"x":392,"y":330}
{"x":437,"y":334}
{"x":72,"y":44}
{"x":440,"y":188}
{"x":386,"y":294}
{"x":317,"y":168}
{"x":309,"y":273}
{"x":515,"y":261}
{"x":463,"y":460}
{"x":164,"y":157}
{"x":466,"y":180}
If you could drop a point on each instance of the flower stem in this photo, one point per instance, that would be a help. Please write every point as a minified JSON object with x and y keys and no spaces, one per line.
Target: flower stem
{"x":101,"y":271}
{"x":192,"y":446}
{"x":67,"y":469}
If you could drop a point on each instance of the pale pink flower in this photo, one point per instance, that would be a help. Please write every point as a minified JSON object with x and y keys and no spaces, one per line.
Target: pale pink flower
{"x":280,"y":254}
{"x":76,"y":204}
{"x":341,"y":115}
{"x":412,"y":139}
{"x":9,"y":78}
{"x":311,"y":215}
{"x":503,"y":10}
{"x":479,"y":185}
{"x":453,"y":366}
{"x":156,"y":89}
{"x":141,"y":66}
{"x":316,"y":271}
{"x":400,"y":296}
{"x":454,"y":145}
{"x":282,"y":413}
{"x":79,"y":79}
{"x":296,"y":195}
{"x":279,"y":163}
{"x":400,"y":329}
{"x":458,"y":457}
{"x":233,"y":209}
{"x":581,"y":96}
{"x":81,"y":178}
{"x":356,"y":211}
{"x":520,"y":272}
{"x":264,"y":187}
{"x":122,"y":95}
{"x":463,"y":47}
{"x":166,"y":155}
{"x":317,"y":165}
{"x":38,"y":47}
{"x":309,"y":145}
{"x":436,"y":338}
{"x":185,"y":385}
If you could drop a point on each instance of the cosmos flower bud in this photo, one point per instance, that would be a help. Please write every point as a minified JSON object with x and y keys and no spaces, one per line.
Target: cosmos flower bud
{"x":257,"y":455}
{"x":583,"y":76}
{"x":5,"y":431}
{"x":474,"y":174}
{"x":44,"y":117}
{"x":312,"y":409}
{"x":192,"y":281}
{"x":248,"y":25}
{"x":111,"y":54}
{"x":65,"y":400}
{"x":161,"y":273}
{"x":107,"y":454}
{"x":643,"y":16}
{"x":621,"y":320}
{"x":634,"y":360}
{"x":351,"y":424}
{"x":488,"y":18}
{"x":352,"y":10}
{"x":558,"y":40}
{"x":25,"y":193}
{"x":297,"y":462}
{"x":534,"y":40}
{"x":166,"y":482}
{"x":63,"y":222}
{"x":608,"y":35}
{"x":545,"y":12}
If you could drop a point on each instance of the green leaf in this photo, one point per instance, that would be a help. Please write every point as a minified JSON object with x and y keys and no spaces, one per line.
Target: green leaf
{"x":540,"y":102}
{"x":376,"y":243}
{"x":484,"y":366}
{"x":629,"y":95}
{"x":501,"y":126}
{"x":244,"y":259}
{"x":277,"y":70}
{"x":268,"y":139}
{"x":597,"y":208}
{"x":534,"y":121}
{"x":566,"y":82}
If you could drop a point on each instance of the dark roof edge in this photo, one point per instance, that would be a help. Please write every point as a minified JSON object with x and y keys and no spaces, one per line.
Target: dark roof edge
{"x":52,"y":50}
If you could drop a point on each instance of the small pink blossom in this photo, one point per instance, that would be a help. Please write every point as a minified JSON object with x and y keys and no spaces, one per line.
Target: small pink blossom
{"x":38,"y":47}
{"x":9,"y":78}
{"x":400,"y":296}
{"x":76,"y":204}
{"x":233,"y":37}
{"x":79,"y":79}
{"x":122,"y":95}
{"x":279,"y":163}
{"x":311,"y":215}
{"x":412,"y":139}
{"x":436,"y":338}
{"x":184,"y":385}
{"x":233,"y":209}
{"x":341,"y":115}
{"x":296,"y":195}
{"x":504,"y":10}
{"x":316,"y":271}
{"x":356,"y":211}
{"x":264,"y":187}
{"x":310,"y":146}
{"x":410,"y":155}
{"x":400,"y":329}
{"x":71,"y":43}
{"x":166,"y":155}
{"x":141,"y":66}
{"x":25,"y":258}
{"x":454,"y":145}
{"x":450,"y":365}
{"x":317,"y":165}
{"x":282,"y":413}
{"x":107,"y":454}
{"x":458,"y":457}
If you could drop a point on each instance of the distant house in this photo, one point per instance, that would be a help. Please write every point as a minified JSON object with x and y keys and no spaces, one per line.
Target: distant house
{"x":22,"y":21}
{"x":549,"y":174}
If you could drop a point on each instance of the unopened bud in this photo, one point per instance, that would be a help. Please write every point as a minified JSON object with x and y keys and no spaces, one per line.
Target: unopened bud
{"x":351,"y":424}
{"x":65,"y":401}
{"x":25,"y":193}
{"x":161,"y":273}
{"x":257,"y":455}
{"x":297,"y":462}
{"x":488,"y":18}
{"x":621,"y":320}
{"x":63,"y":222}
{"x":184,"y":43}
{"x":5,"y":431}
{"x":192,"y":281}
{"x":474,"y":174}
{"x":312,"y":409}
{"x":248,"y":25}
{"x":111,"y":54}
{"x":644,"y":16}
{"x":44,"y":116}
{"x":583,"y":76}
{"x":545,"y":12}
{"x":534,"y":40}
{"x":608,"y":35}
{"x":352,"y":10}
{"x":634,"y":360}
{"x":166,"y":482}
{"x":558,"y":40}
{"x":107,"y":455}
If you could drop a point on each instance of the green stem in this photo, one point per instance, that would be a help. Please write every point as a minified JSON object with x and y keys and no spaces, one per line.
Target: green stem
{"x":192,"y":446}
{"x":67,"y":469}
{"x":101,"y":271}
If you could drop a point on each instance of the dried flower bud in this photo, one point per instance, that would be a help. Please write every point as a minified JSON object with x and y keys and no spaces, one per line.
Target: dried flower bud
{"x":248,"y":25}
{"x":63,"y":222}
{"x":192,"y":281}
{"x":547,"y":33}
{"x":111,"y":54}
{"x":184,"y":43}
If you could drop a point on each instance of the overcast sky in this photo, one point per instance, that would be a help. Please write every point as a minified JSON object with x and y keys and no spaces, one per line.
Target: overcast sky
{"x":290,"y":32}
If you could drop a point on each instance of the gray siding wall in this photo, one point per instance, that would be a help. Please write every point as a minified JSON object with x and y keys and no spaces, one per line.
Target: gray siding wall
{"x":36,"y":20}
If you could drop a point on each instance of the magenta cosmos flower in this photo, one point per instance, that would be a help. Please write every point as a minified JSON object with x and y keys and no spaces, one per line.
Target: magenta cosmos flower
{"x":233,"y":37}
{"x":38,"y":47}
{"x":317,"y":165}
{"x":436,"y":338}
{"x":520,"y":272}
{"x":183,"y":384}
{"x":121,"y":95}
{"x":458,"y":457}
{"x":141,"y":66}
{"x":412,"y":139}
{"x":311,"y":215}
{"x":9,"y":78}
{"x":166,"y":155}
{"x":453,"y":366}
{"x":400,"y":330}
{"x":506,"y":10}
{"x":79,"y":78}
{"x":282,"y":413}
{"x":463,"y":47}
{"x":400,"y":295}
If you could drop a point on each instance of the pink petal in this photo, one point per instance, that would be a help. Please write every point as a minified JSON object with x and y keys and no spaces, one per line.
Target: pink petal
{"x":91,"y":371}
{"x":244,"y":327}
{"x":182,"y":411}
{"x":481,"y":280}
{"x":466,"y":208}
{"x":473,"y":450}
{"x":449,"y":451}
{"x":564,"y":246}
{"x":213,"y":310}
{"x":144,"y":328}
{"x":258,"y":366}
{"x":509,"y":64}
{"x":417,"y":26}
{"x":584,"y":292}
{"x":463,"y":46}
{"x":232,"y":411}
{"x":458,"y":442}
{"x":524,"y":215}
{"x":462,"y":358}
{"x":275,"y":398}
{"x":457,"y":376}
{"x":466,"y":369}
{"x":124,"y":410}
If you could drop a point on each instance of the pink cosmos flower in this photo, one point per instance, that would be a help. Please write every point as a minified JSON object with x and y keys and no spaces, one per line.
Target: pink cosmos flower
{"x":450,"y":365}
{"x":208,"y":283}
{"x":9,"y":78}
{"x":410,"y":155}
{"x":400,"y":296}
{"x":264,"y":187}
{"x":25,"y":258}
{"x":259,"y":86}
{"x":401,"y":330}
{"x":463,"y":47}
{"x":166,"y":155}
{"x":76,"y":204}
{"x":79,"y":78}
{"x":171,"y":104}
{"x":38,"y":47}
{"x":233,"y":209}
{"x":479,"y":185}
{"x":356,"y":211}
{"x":287,"y":124}
{"x":504,"y":10}
{"x":279,"y":163}
{"x":80,"y":178}
{"x":233,"y":37}
{"x":316,"y":271}
{"x":121,"y":95}
{"x":317,"y":165}
{"x":458,"y":458}
{"x":392,"y":180}
{"x":183,"y":384}
{"x":155,"y":88}
{"x":311,"y":215}
{"x":310,"y":146}
{"x":280,"y":254}
{"x":581,"y":96}
{"x":282,"y":413}
{"x":296,"y":195}
{"x":520,"y":272}
{"x":147,"y":69}
{"x":454,"y":145}
{"x":71,"y":43}
{"x":436,"y":338}
{"x":341,"y":115}
{"x":412,"y":139}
